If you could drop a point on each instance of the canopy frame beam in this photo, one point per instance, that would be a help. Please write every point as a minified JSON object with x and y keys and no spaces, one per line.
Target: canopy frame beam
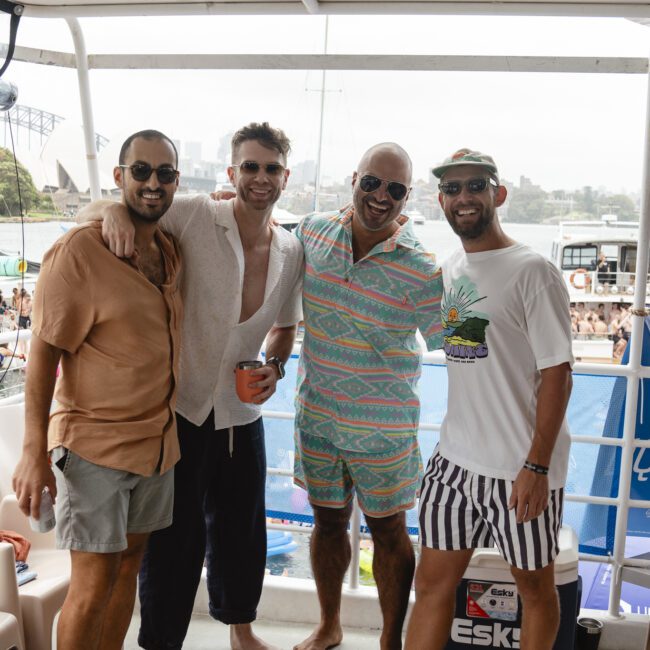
{"x":301,"y":7}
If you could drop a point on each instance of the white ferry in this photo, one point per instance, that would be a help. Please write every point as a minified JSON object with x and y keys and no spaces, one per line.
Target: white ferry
{"x":598,"y":259}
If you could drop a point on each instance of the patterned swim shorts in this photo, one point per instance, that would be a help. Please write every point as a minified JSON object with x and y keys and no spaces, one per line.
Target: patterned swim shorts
{"x":385,"y":482}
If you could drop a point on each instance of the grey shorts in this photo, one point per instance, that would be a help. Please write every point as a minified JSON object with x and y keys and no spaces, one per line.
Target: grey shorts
{"x":97,"y":506}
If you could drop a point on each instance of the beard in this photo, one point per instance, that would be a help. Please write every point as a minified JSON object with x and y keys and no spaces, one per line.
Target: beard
{"x":258,"y":203}
{"x":472,"y":230}
{"x":142,"y":212}
{"x":369,"y":223}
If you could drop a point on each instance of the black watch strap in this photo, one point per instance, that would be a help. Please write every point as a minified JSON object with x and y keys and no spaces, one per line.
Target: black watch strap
{"x":278,"y":363}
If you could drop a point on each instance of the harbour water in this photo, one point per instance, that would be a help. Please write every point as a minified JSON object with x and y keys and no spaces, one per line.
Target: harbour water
{"x":436,"y":236}
{"x":38,"y":237}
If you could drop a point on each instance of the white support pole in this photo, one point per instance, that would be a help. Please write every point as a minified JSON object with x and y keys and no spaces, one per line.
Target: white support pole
{"x":355,"y":538}
{"x":86,"y":108}
{"x":632,"y":393}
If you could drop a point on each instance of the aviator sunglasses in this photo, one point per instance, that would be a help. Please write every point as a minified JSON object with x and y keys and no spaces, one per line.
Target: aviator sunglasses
{"x":396,"y":190}
{"x":252,"y":167}
{"x":143,"y":171}
{"x":473,"y":185}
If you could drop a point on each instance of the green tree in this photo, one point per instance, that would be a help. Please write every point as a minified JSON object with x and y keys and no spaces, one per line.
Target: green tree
{"x":528,"y":205}
{"x":620,"y":205}
{"x":45,"y":203}
{"x":587,"y":201}
{"x":9,"y":204}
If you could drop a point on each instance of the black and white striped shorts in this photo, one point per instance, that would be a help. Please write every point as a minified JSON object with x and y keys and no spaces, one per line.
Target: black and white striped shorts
{"x":461,"y":510}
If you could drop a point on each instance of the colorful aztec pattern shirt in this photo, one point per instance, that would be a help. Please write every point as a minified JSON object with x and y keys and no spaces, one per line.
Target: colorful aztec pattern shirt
{"x":361,"y":361}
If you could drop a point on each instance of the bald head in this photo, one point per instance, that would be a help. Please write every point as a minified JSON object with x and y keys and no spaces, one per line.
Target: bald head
{"x":387,"y":152}
{"x":381,"y":187}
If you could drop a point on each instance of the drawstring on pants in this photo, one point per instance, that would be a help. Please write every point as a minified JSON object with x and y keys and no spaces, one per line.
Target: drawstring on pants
{"x":231,"y":440}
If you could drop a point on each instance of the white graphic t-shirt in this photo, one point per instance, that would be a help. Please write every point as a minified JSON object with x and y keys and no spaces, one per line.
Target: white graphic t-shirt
{"x":505,"y":317}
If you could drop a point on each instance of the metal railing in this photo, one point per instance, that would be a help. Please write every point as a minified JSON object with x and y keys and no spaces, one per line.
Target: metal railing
{"x":12,"y":374}
{"x":598,"y":284}
{"x":622,"y":501}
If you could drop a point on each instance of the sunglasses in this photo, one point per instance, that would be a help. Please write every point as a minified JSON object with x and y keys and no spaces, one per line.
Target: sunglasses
{"x":252,"y":167}
{"x":473,"y":185}
{"x":143,"y":171}
{"x":396,"y":190}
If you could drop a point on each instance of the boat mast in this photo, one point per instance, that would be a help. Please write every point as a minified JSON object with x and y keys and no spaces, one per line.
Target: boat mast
{"x":319,"y":153}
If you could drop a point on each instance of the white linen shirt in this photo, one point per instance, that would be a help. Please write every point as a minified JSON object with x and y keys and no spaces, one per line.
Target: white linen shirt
{"x":213,"y":340}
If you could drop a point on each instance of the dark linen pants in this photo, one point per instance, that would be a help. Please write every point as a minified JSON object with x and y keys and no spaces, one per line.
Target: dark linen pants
{"x":219,"y":516}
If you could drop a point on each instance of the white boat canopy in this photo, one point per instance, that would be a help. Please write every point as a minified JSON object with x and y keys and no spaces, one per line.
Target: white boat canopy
{"x":90,"y":8}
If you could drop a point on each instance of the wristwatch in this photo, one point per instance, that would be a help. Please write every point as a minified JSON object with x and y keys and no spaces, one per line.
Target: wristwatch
{"x":278,"y":363}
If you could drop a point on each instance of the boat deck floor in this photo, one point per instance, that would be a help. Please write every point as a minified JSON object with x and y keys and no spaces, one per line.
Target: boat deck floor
{"x":207,"y":634}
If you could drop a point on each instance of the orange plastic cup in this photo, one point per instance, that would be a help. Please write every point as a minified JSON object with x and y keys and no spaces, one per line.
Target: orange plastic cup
{"x":243,"y":377}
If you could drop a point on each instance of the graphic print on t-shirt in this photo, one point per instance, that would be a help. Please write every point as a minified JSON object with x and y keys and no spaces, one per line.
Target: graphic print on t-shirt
{"x":464,"y":328}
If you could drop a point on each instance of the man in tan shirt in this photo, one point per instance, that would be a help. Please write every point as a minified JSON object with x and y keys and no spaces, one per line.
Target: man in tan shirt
{"x":242,"y":280}
{"x":113,"y":325}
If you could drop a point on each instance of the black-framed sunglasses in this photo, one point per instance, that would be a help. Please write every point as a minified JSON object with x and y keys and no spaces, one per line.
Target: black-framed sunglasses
{"x":473,"y":185}
{"x":369,"y":183}
{"x":142,"y":172}
{"x":252,"y":167}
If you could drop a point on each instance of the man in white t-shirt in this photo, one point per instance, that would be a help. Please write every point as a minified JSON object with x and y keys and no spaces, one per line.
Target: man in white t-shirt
{"x":498,"y":474}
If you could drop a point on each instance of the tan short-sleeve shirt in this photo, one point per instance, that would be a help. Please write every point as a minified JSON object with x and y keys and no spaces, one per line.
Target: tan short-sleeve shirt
{"x":120,"y":337}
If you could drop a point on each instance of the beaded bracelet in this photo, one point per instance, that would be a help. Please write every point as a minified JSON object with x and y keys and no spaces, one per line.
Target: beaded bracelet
{"x":538,"y":469}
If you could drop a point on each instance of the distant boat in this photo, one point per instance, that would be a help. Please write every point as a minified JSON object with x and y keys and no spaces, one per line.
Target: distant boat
{"x":12,"y":261}
{"x":580,"y":246}
{"x":16,"y":271}
{"x":286,"y":219}
{"x":416,"y":217}
{"x":597,"y":260}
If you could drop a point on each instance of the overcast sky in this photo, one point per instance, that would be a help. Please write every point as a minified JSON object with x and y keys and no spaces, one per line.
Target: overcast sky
{"x":562,"y":131}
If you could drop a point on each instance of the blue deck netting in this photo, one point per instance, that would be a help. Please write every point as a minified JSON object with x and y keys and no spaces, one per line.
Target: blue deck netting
{"x":592,"y":469}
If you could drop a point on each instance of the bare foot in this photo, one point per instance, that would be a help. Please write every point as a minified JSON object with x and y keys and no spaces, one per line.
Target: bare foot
{"x":322,"y":639}
{"x":242,"y":638}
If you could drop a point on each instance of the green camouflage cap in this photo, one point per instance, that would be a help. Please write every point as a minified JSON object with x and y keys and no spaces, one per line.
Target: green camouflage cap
{"x":466,"y":157}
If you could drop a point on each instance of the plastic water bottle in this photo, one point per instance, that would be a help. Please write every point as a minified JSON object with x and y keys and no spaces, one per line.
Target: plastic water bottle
{"x":46,"y":520}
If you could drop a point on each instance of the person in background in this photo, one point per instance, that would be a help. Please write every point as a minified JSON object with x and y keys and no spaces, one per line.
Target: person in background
{"x":24,"y":309}
{"x":602,"y":269}
{"x":6,"y":353}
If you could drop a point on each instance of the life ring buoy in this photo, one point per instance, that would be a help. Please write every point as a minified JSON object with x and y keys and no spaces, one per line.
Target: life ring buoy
{"x":587,"y":277}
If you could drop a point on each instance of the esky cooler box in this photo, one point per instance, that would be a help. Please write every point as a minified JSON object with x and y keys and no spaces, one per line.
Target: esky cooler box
{"x":488,"y":610}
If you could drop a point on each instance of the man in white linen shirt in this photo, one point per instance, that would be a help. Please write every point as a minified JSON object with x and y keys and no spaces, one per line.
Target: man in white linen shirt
{"x":241,"y":282}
